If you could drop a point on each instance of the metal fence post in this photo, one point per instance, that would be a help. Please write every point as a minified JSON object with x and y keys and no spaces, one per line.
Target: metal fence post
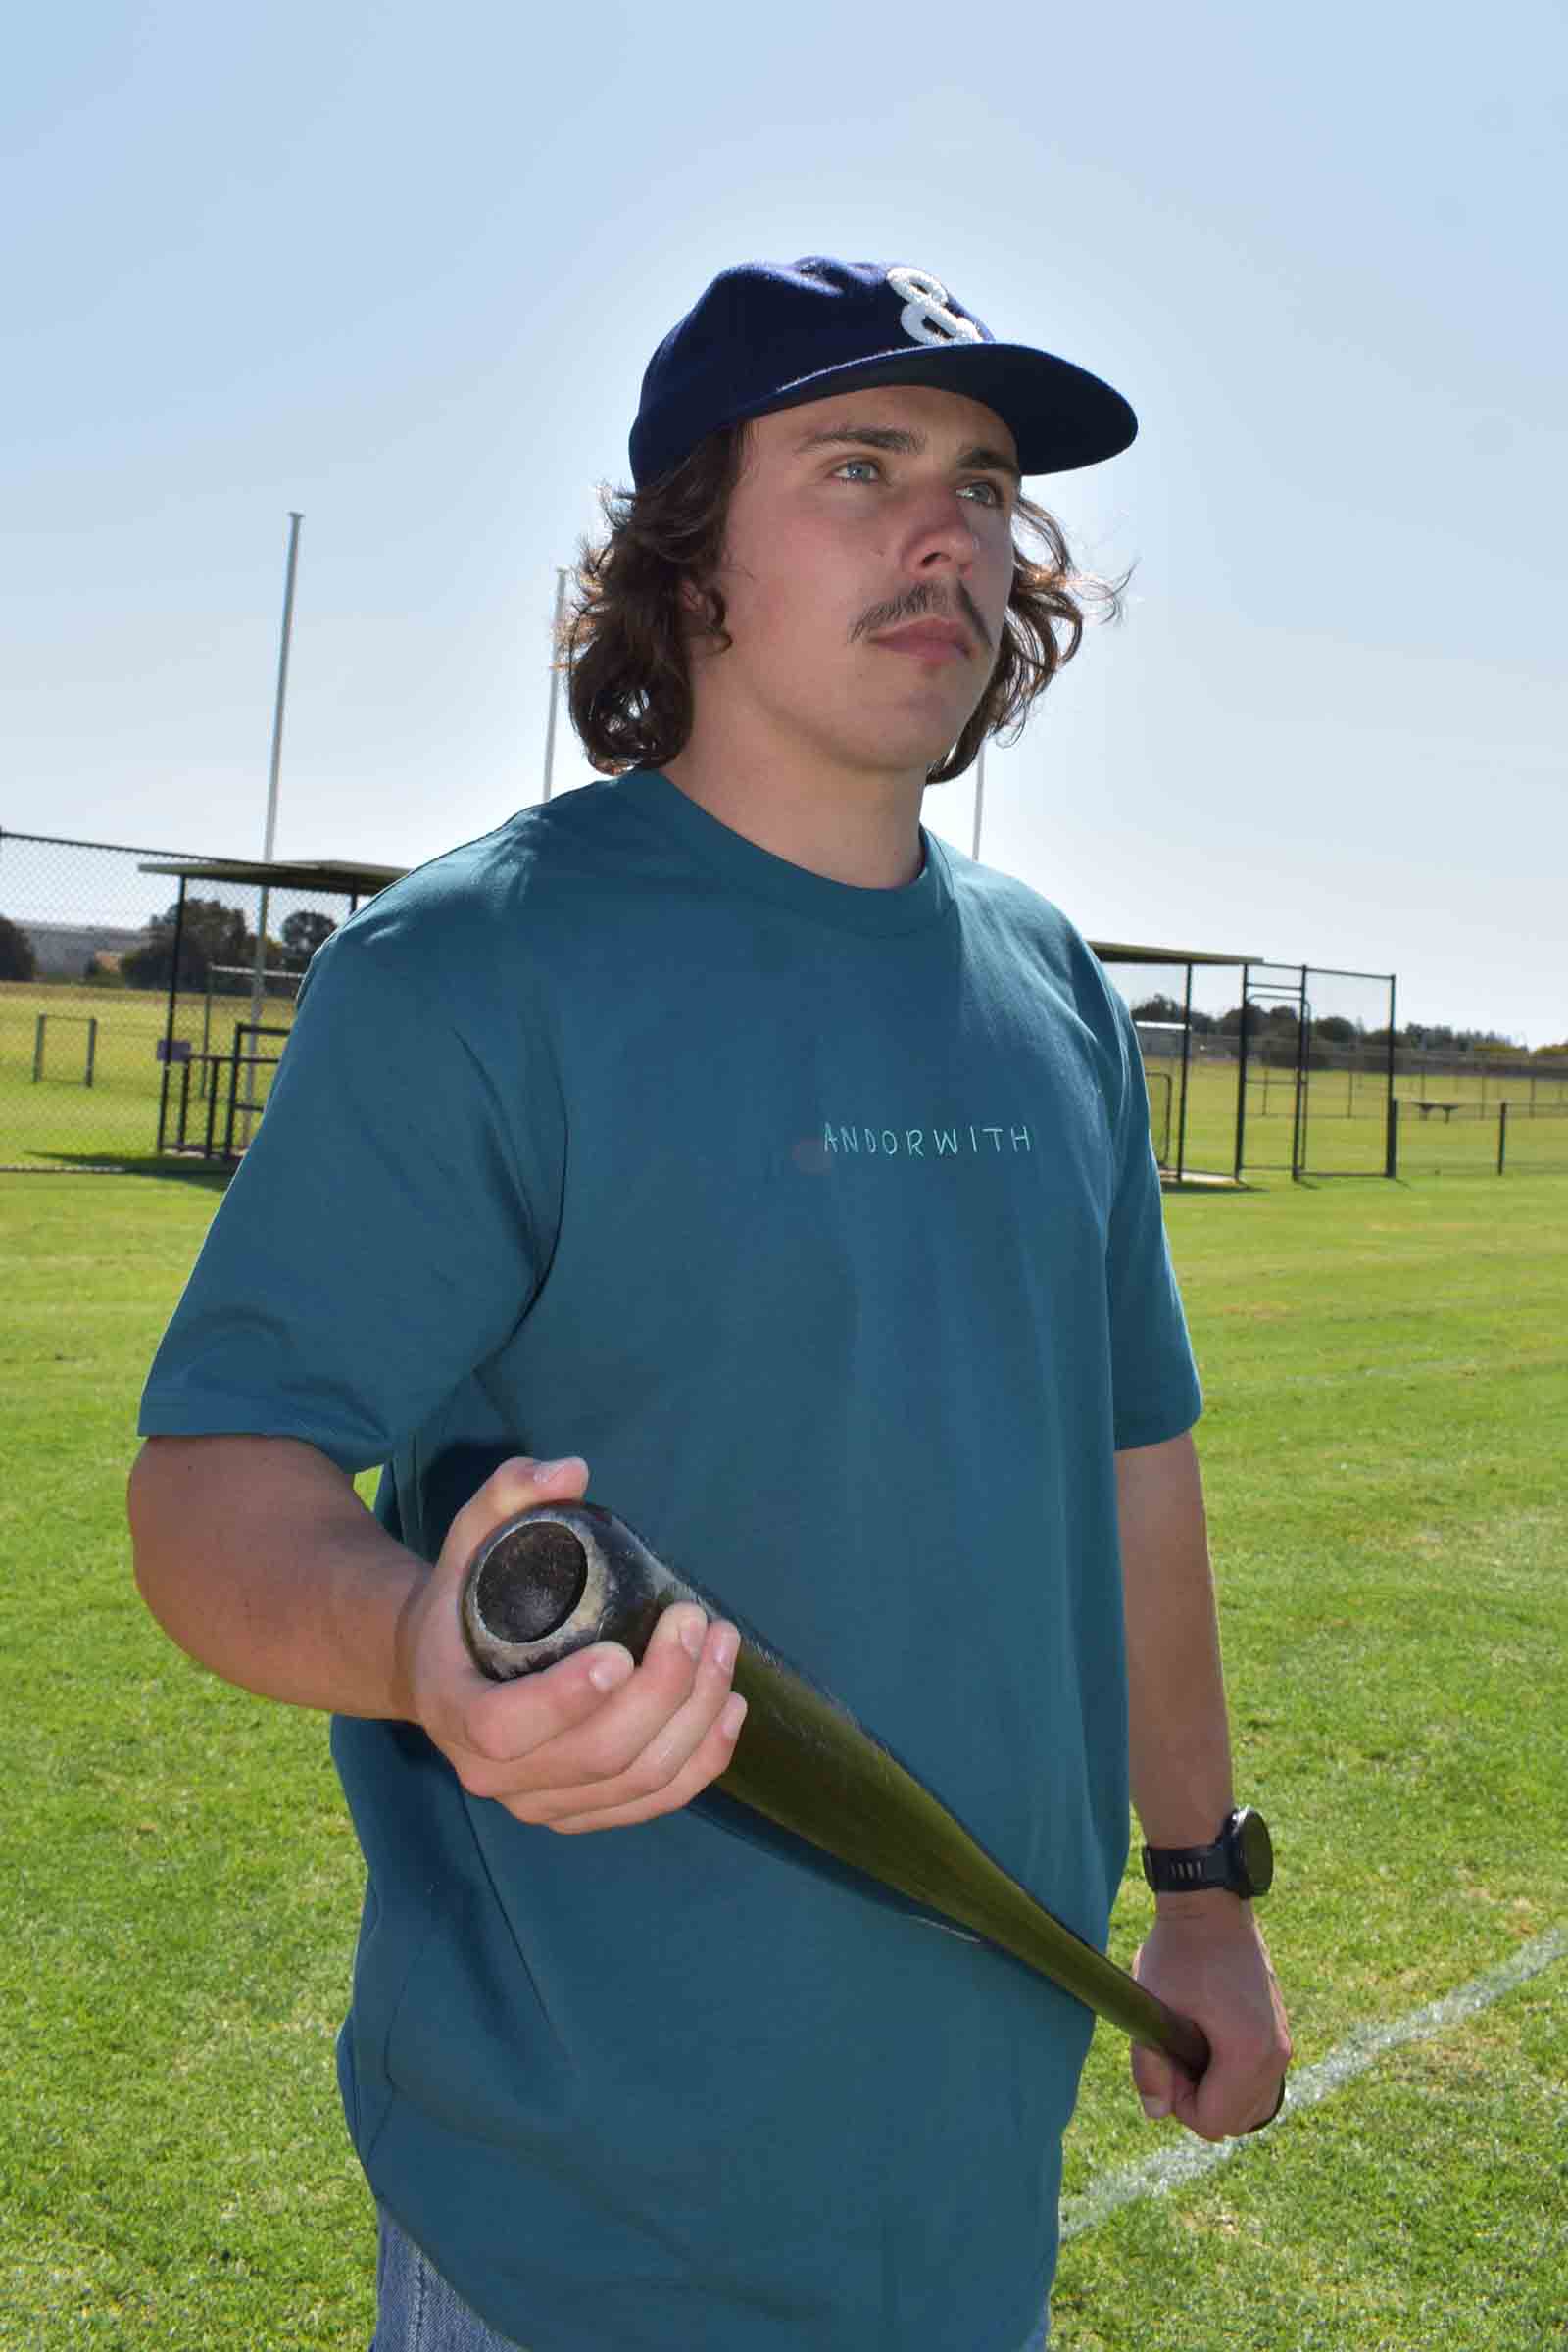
{"x":1241,"y":1075}
{"x":1390,"y":1162}
{"x":1181,"y":1109}
{"x":1502,"y":1134}
{"x":1303,"y":1018}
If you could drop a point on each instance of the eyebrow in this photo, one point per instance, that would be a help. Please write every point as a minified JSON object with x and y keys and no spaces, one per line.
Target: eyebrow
{"x":908,"y":445}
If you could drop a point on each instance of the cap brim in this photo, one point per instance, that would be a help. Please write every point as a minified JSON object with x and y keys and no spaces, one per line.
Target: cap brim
{"x":1060,"y":417}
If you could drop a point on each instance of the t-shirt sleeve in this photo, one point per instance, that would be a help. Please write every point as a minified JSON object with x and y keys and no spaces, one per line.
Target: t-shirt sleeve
{"x":384,"y":1233}
{"x":1155,"y":1387}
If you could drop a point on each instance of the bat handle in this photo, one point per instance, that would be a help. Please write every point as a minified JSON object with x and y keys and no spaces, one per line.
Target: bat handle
{"x":1176,"y":2036}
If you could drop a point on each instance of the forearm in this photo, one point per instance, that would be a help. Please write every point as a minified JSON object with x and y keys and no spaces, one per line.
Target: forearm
{"x":1205,"y":1955}
{"x":1179,"y":1738}
{"x":257,"y":1557}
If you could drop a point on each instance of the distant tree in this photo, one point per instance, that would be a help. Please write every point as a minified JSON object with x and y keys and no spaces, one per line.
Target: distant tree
{"x":1160,"y":1007}
{"x":1276,"y":1020}
{"x":212,"y":933}
{"x":17,"y":959}
{"x":302,"y":934}
{"x":1335,"y":1030}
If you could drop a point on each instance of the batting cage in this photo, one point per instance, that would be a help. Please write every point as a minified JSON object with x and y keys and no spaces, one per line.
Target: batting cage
{"x":213,"y":1091}
{"x":144,"y":996}
{"x":1253,"y":1066}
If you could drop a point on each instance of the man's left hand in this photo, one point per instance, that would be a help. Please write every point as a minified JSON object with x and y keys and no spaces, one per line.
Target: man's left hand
{"x":1205,"y":1956}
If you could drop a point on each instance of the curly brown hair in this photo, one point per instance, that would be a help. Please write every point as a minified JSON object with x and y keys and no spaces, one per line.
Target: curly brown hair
{"x":623,"y":641}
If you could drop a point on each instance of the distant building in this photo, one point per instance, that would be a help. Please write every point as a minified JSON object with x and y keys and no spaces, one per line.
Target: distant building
{"x":64,"y":949}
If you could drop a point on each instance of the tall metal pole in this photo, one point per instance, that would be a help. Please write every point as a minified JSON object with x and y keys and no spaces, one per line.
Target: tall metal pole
{"x":979,"y":797}
{"x":270,"y":836}
{"x":172,"y":1012}
{"x":554,"y":677}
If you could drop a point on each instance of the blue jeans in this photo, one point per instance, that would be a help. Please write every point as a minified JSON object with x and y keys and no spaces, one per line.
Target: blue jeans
{"x":417,"y":2312}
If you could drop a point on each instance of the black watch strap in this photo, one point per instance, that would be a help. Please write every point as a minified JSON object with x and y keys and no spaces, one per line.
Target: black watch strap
{"x":1240,"y":1861}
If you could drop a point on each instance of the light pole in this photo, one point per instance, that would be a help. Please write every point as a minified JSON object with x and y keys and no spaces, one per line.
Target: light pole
{"x":259,"y":973}
{"x":979,"y":797}
{"x":554,"y":677}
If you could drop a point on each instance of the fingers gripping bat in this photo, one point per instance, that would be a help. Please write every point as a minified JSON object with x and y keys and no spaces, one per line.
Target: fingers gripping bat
{"x":563,"y":1574}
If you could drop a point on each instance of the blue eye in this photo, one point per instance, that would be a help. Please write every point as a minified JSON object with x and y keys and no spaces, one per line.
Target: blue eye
{"x":997,"y":497}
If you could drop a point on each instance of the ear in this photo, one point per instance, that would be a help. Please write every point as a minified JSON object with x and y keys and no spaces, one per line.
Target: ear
{"x":697,"y":608}
{"x":693,"y":600}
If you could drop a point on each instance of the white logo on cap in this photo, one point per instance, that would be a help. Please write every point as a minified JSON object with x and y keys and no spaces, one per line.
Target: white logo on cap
{"x":926,"y":316}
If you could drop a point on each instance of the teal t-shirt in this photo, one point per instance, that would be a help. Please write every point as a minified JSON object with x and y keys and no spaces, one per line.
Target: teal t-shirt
{"x":823,"y":1222}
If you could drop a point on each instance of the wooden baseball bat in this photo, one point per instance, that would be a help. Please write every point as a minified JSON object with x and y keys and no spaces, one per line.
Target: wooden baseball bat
{"x":563,"y":1574}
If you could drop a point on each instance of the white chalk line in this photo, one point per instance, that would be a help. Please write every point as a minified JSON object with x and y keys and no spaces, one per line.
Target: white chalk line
{"x":1173,"y":2168}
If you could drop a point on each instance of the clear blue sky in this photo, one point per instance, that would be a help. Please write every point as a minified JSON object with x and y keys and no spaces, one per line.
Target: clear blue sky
{"x":402,"y":268}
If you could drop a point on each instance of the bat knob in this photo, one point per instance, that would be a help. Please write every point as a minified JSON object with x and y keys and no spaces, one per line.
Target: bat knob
{"x":528,"y":1579}
{"x":554,"y":1580}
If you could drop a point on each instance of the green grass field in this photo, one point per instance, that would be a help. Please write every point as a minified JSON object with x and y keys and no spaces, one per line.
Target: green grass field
{"x":1386,"y":1370}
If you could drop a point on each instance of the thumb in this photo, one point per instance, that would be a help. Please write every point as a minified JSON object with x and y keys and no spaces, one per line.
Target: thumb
{"x":1155,"y":2080}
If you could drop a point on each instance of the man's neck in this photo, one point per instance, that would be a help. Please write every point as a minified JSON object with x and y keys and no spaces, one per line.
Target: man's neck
{"x":861,"y":828}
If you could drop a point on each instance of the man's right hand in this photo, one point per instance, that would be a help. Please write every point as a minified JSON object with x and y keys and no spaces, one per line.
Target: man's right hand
{"x":595,"y":1742}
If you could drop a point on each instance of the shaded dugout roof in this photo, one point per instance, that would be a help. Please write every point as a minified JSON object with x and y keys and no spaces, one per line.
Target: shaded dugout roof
{"x":337,"y":875}
{"x":1113,"y":952}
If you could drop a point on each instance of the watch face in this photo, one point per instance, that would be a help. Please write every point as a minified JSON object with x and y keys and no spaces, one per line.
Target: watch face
{"x":1256,"y":1848}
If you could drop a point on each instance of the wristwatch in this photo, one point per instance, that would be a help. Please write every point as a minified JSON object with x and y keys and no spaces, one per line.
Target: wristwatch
{"x":1240,"y":1860}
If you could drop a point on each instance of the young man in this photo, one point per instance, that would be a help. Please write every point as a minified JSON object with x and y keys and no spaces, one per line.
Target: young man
{"x":719,"y":1129}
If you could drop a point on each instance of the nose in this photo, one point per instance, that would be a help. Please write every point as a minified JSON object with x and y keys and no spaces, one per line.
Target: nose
{"x":944,"y":524}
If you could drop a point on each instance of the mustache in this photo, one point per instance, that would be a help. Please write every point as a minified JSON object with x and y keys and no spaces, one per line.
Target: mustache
{"x":925,"y":605}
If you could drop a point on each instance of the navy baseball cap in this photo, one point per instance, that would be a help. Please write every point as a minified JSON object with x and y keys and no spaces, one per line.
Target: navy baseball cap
{"x":774,"y":334}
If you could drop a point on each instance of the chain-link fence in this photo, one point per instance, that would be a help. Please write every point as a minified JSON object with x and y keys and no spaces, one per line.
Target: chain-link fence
{"x":1443,"y":1133}
{"x":109,"y":1056}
